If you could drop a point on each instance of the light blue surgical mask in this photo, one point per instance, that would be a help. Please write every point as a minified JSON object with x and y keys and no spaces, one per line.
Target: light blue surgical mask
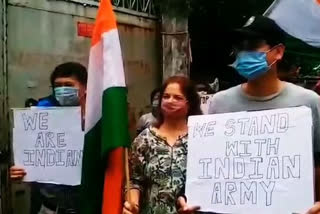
{"x":252,"y":64}
{"x":67,"y":96}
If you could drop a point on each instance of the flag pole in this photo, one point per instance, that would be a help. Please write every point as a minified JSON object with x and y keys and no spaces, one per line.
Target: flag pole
{"x":127,"y":173}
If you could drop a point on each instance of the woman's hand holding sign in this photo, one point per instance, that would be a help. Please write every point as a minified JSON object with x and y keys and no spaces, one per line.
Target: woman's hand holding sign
{"x":315,"y":209}
{"x":184,"y":208}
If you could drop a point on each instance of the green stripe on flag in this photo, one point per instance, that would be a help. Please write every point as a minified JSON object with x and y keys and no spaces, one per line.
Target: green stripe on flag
{"x":109,"y":133}
{"x":115,"y":125}
{"x":92,"y":172}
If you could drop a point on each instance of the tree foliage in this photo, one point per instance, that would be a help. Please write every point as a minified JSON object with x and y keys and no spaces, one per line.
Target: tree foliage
{"x":174,"y":8}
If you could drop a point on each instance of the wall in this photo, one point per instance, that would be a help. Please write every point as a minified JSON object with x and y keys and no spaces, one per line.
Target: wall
{"x":43,"y":34}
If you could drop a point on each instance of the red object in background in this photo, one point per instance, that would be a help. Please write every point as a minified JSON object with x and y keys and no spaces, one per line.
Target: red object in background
{"x":85,"y":29}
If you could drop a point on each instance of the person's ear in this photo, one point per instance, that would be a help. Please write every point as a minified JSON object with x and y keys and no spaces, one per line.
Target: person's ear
{"x":279,"y":52}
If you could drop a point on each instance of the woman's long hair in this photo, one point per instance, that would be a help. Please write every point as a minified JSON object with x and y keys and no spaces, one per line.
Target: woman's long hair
{"x":188,"y":89}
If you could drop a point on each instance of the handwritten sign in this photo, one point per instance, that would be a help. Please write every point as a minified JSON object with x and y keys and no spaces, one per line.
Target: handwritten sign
{"x":48,"y":144}
{"x":251,"y":162}
{"x":205,"y":98}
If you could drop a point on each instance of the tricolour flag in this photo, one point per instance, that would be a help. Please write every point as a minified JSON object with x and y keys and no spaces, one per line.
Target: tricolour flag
{"x":299,"y":18}
{"x":106,"y":120}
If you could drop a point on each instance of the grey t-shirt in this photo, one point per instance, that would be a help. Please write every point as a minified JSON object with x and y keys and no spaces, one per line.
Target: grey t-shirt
{"x":145,"y":121}
{"x":235,"y":100}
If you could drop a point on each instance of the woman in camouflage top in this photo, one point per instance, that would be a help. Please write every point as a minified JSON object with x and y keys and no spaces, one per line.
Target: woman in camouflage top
{"x":158,"y":160}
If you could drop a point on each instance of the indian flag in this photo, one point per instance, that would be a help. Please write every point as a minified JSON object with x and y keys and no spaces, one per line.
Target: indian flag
{"x":299,"y":18}
{"x":106,"y":119}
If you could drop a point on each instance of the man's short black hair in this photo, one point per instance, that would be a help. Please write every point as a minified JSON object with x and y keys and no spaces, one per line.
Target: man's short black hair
{"x":70,"y":69}
{"x":153,"y":94}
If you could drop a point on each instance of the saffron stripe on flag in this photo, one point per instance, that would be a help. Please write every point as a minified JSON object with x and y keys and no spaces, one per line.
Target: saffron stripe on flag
{"x":106,"y":119}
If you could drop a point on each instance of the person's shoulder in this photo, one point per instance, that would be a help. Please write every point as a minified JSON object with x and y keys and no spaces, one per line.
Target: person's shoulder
{"x":144,"y":135}
{"x":48,"y":101}
{"x":302,"y":93}
{"x":222,"y":95}
{"x":146,"y":116}
{"x":142,"y":141}
{"x":223,"y":99}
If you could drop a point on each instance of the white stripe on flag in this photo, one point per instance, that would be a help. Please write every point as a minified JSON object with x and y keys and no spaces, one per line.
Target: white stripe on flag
{"x":112,"y":58}
{"x":105,"y":71}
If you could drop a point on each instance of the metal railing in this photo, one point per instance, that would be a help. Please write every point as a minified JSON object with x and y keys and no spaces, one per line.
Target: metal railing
{"x":139,"y":6}
{"x":145,"y":8}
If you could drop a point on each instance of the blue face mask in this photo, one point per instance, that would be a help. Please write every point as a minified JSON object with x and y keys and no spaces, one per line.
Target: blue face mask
{"x":251,"y":64}
{"x":67,"y":96}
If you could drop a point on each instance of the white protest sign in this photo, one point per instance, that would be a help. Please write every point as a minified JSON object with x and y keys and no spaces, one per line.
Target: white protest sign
{"x":48,"y":144}
{"x":251,"y":162}
{"x":205,"y":98}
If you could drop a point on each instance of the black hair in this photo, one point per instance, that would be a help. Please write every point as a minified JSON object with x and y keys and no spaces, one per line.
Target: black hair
{"x":154,"y":93}
{"x":70,"y":69}
{"x":30,"y":102}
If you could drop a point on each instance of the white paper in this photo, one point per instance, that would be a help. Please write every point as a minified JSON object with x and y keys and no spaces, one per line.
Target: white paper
{"x":205,"y":101}
{"x":251,"y":162}
{"x":48,"y":144}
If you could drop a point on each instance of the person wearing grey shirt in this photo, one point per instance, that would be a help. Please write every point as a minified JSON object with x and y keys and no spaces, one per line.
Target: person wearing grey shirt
{"x":289,"y":95}
{"x":259,"y":50}
{"x":150,"y":118}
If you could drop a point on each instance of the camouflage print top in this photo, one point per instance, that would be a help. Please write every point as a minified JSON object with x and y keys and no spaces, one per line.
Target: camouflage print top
{"x":158,"y":171}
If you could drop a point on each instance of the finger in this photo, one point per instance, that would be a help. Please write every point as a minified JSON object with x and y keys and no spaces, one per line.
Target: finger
{"x":182,"y":202}
{"x":315,"y":209}
{"x":125,"y":211}
{"x":188,"y":210}
{"x":128,"y":206}
{"x":21,"y":174}
{"x":194,"y":208}
{"x":18,"y":172}
{"x":181,"y":211}
{"x":16,"y":177}
{"x":16,"y":168}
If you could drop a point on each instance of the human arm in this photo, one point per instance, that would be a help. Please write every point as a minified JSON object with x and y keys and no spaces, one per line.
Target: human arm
{"x":137,"y":179}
